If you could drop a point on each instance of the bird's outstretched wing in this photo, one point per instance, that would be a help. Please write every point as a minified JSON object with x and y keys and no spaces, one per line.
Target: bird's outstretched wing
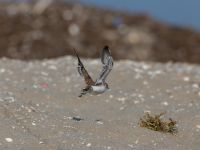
{"x":83,"y":72}
{"x":107,"y":62}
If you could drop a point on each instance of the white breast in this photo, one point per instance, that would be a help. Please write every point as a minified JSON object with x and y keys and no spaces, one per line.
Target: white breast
{"x":99,"y":89}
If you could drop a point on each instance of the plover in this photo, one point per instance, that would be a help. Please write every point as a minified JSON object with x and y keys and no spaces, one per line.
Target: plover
{"x":99,"y":86}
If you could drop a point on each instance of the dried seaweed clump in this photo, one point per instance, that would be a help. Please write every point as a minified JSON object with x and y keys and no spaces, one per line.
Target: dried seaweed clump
{"x":157,"y":124}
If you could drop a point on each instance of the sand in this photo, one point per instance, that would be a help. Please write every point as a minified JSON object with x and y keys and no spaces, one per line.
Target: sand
{"x":40,"y":108}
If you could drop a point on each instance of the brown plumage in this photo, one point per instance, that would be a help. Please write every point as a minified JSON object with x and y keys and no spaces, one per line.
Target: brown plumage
{"x":83,"y":72}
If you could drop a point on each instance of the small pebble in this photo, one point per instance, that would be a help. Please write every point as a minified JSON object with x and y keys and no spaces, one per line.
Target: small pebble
{"x":186,"y":79}
{"x":122,"y":99}
{"x":145,"y":83}
{"x":136,"y":102}
{"x":41,"y":142}
{"x":147,"y":111}
{"x":99,"y":122}
{"x":137,"y":141}
{"x":130,"y":145}
{"x":89,"y":145}
{"x":35,"y":86}
{"x":2,"y":70}
{"x":165,"y":103}
{"x":52,"y":67}
{"x":121,"y":108}
{"x":9,"y":140}
{"x":44,"y":73}
{"x":195,"y":85}
{"x":152,"y":97}
{"x":33,"y":123}
{"x":198,"y":126}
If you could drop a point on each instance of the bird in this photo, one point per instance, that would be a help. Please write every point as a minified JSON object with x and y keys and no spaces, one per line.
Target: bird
{"x":100,"y":85}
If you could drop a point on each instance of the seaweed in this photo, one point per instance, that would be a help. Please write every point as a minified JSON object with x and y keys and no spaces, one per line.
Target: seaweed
{"x":154,"y":122}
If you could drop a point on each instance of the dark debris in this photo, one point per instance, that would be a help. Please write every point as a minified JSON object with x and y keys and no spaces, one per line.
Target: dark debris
{"x":77,"y":119}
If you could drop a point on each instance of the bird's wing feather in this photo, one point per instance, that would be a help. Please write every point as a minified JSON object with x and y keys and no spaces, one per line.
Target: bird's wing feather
{"x":107,"y":62}
{"x":83,"y":72}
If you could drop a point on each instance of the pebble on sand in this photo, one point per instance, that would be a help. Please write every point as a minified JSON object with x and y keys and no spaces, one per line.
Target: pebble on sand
{"x":9,"y":140}
{"x":89,"y":145}
{"x":198,"y":126}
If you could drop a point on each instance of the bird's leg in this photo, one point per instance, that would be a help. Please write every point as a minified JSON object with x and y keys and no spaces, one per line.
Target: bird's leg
{"x":84,"y":91}
{"x":81,"y":94}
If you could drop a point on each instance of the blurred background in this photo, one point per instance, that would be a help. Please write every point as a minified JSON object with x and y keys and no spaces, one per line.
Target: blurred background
{"x":140,"y":30}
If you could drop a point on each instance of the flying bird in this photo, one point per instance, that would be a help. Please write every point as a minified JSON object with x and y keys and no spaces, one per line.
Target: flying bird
{"x":99,"y":86}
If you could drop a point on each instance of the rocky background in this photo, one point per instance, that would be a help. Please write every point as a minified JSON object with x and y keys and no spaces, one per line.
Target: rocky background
{"x":37,"y":31}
